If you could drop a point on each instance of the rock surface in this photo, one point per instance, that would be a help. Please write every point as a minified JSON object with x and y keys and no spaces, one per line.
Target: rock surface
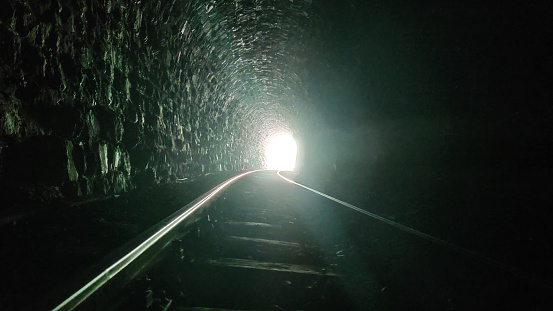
{"x":110,"y":95}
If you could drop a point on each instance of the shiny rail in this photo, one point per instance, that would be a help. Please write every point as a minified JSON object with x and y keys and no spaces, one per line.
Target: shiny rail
{"x":456,"y":248}
{"x":158,"y":237}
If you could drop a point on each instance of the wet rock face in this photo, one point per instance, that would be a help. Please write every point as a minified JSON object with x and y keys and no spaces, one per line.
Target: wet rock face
{"x":98,"y":97}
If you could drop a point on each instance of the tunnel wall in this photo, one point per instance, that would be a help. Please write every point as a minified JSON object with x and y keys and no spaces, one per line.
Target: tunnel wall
{"x":99,"y":97}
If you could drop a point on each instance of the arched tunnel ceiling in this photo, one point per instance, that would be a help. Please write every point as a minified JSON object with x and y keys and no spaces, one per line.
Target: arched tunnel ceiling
{"x":252,"y":51}
{"x":99,"y":97}
{"x":123,"y":93}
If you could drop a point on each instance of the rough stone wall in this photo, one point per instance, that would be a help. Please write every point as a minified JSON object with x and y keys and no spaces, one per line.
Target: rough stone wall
{"x":98,"y":97}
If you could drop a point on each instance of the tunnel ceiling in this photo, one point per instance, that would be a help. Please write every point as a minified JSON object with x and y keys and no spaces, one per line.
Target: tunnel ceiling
{"x":99,"y":97}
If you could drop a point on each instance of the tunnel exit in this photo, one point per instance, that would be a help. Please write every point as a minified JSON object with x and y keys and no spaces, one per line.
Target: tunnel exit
{"x":280,"y":153}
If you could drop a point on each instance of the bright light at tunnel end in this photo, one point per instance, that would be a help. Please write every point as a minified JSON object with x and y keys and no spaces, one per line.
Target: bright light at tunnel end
{"x":280,"y":153}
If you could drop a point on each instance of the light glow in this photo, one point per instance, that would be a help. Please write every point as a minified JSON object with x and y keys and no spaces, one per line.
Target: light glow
{"x":280,"y":153}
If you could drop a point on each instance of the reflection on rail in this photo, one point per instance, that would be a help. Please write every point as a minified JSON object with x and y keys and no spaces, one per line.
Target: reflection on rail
{"x":158,"y":237}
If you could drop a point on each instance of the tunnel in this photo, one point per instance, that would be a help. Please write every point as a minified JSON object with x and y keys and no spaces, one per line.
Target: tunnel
{"x":434,"y":115}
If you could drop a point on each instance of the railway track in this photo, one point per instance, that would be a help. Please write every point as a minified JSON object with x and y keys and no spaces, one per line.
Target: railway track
{"x":255,"y":247}
{"x":267,"y":244}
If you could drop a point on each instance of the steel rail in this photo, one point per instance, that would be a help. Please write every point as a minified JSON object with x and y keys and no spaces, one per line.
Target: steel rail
{"x":91,"y":287}
{"x":449,"y":245}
